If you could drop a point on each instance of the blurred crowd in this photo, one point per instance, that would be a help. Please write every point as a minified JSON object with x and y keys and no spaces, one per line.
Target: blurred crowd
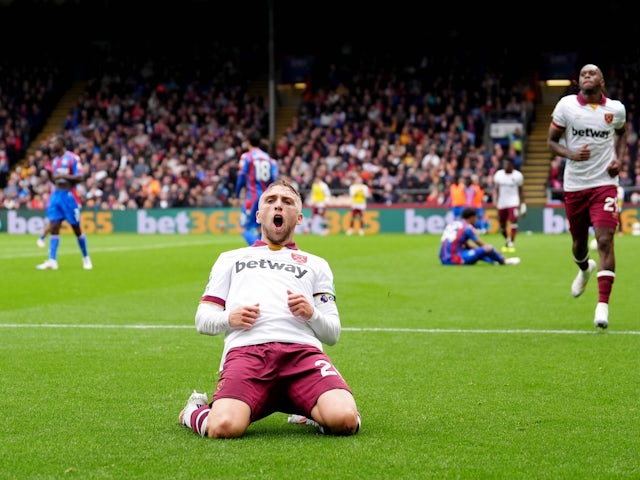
{"x":160,"y":135}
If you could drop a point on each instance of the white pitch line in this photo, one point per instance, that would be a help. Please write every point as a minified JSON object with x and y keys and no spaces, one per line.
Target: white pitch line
{"x":346,"y":329}
{"x":461,"y":330}
{"x":68,"y":250}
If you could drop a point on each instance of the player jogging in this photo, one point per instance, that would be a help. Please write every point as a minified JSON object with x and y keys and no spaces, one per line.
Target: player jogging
{"x":593,"y":131}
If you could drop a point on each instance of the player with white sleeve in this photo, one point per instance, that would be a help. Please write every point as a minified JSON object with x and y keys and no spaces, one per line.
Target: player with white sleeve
{"x":593,"y":130}
{"x":509,"y":202}
{"x":275,"y":305}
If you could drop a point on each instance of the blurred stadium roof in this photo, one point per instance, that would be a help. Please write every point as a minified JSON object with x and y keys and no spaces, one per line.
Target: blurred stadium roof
{"x":329,"y":27}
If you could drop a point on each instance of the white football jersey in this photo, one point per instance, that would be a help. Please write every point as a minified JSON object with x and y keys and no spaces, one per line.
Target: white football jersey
{"x":508,"y":188}
{"x":592,"y":124}
{"x":258,"y":275}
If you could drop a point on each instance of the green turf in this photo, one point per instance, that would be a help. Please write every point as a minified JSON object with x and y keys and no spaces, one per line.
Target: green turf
{"x":477,"y":372}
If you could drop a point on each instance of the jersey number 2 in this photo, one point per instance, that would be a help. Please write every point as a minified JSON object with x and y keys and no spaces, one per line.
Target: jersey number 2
{"x":610,"y":204}
{"x":326,"y":368}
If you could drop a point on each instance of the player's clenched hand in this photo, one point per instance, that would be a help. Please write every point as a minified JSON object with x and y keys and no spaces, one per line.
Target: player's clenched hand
{"x":244,"y":317}
{"x":299,"y":305}
{"x":583,"y":153}
{"x":613,"y":168}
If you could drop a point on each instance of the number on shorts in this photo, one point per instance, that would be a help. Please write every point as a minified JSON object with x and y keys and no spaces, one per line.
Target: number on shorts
{"x":610,"y":204}
{"x":326,"y":368}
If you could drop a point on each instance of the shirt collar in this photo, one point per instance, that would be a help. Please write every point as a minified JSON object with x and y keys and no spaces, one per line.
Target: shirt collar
{"x":291,"y":246}
{"x":582,"y":101}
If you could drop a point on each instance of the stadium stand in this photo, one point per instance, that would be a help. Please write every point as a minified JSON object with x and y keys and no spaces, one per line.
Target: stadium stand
{"x":163,"y":125}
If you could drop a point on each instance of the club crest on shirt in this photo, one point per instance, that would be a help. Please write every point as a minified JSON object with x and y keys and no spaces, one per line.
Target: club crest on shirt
{"x":608,"y":117}
{"x":299,"y":258}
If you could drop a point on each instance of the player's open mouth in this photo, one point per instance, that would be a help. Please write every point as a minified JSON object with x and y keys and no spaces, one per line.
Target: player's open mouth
{"x":277,"y":220}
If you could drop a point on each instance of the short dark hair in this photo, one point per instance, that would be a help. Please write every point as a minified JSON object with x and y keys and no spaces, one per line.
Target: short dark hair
{"x":469,"y":212}
{"x":58,"y":138}
{"x":255,"y":138}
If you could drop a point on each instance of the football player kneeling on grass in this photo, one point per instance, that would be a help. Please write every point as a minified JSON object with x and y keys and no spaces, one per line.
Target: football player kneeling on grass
{"x":276,"y":306}
{"x":460,"y":244}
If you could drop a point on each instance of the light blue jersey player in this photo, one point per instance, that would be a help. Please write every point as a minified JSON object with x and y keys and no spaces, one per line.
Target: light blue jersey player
{"x":461,"y":245}
{"x":257,"y":170}
{"x":64,"y":204}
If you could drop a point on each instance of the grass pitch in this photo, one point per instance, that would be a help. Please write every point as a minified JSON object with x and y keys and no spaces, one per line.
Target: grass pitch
{"x":459,"y":372}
